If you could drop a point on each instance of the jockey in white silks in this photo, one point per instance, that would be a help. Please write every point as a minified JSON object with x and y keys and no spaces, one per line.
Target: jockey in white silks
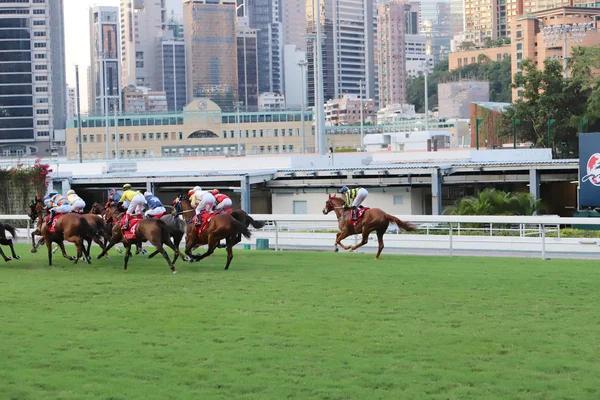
{"x":204,"y":200}
{"x":77,"y":203}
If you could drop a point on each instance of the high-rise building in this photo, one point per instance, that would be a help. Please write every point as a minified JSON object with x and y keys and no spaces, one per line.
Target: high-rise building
{"x":293,"y":18}
{"x":247,"y":50}
{"x":436,"y":26}
{"x":349,"y":51}
{"x":173,"y":75}
{"x":294,"y":76}
{"x":391,"y":32}
{"x":416,"y":58}
{"x":90,"y":89}
{"x":143,"y":100}
{"x":142,"y":25}
{"x":324,"y":17}
{"x":104,"y":59}
{"x":264,"y":16}
{"x":211,"y":50}
{"x":32,"y":76}
{"x":71,"y":103}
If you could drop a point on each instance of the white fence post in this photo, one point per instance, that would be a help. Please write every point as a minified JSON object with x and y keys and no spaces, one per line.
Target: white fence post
{"x":450,"y":234}
{"x":276,"y":236}
{"x":543,"y":228}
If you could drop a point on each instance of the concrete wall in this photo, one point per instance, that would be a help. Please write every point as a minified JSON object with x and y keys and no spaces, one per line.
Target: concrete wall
{"x":409,"y":200}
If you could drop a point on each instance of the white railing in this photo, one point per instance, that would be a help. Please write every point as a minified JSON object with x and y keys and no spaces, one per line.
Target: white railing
{"x":443,"y":232}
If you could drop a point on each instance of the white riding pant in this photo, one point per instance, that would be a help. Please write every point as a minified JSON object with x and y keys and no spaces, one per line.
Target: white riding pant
{"x":156,"y":211}
{"x":207,"y":202}
{"x":226,"y":203}
{"x":65,"y":208}
{"x":137,"y":205}
{"x":360,"y":197}
{"x":78,"y":205}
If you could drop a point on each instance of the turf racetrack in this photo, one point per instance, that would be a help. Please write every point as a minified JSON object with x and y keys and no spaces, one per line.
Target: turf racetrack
{"x":300,"y":325}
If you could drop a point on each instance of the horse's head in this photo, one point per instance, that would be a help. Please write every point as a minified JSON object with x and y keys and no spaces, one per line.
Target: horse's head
{"x":97,"y":208}
{"x":177,"y":205}
{"x":332,"y":203}
{"x":36,"y":208}
{"x":111,"y":212}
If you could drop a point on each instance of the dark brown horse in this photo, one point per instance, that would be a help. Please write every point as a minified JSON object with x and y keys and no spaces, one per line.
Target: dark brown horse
{"x":221,"y":227}
{"x":8,"y":242}
{"x":72,"y":228}
{"x":373,"y":219}
{"x":36,"y":213}
{"x":109,"y":213}
{"x":153,"y":230}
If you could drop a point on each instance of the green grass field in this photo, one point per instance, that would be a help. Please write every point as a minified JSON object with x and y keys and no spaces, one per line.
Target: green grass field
{"x":302,"y":325}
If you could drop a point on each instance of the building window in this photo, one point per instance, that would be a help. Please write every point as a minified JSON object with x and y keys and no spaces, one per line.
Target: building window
{"x":38,"y":45}
{"x":143,"y":136}
{"x":128,"y":137}
{"x":232,"y":134}
{"x":40,"y":33}
{"x":41,"y":78}
{"x":300,"y":207}
{"x":261,"y":133}
{"x":40,"y":56}
{"x":519,"y":56}
{"x":39,"y":23}
{"x":42,"y":122}
{"x":41,"y":111}
{"x":151,"y":136}
{"x":253,"y":132}
{"x":39,"y":12}
{"x":180,"y":135}
{"x":519,"y":46}
{"x":41,"y":67}
{"x":224,"y":134}
{"x":91,"y":138}
{"x":166,"y":136}
{"x":291,"y":148}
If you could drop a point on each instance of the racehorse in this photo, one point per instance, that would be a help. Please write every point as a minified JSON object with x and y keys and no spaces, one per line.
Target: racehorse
{"x":73,"y":228}
{"x":36,"y":214}
{"x":373,"y":219}
{"x":107,"y":212}
{"x":238,"y":214}
{"x":220,"y":226}
{"x":7,"y":242}
{"x":153,"y":230}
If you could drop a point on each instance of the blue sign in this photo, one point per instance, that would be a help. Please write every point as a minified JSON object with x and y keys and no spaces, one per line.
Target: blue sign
{"x":589,"y":169}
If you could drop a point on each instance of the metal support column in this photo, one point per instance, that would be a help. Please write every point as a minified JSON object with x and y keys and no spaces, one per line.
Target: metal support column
{"x":150,"y":187}
{"x":436,"y":192}
{"x":534,"y":183}
{"x":65,"y":186}
{"x":245,"y":194}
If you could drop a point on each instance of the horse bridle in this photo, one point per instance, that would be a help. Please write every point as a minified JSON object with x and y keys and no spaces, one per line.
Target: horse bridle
{"x":179,"y":211}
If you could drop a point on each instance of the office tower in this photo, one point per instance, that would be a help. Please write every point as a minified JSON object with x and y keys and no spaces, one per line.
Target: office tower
{"x":71,"y":103}
{"x":391,"y":33}
{"x":293,"y":18}
{"x":32,"y":76}
{"x":247,"y":48}
{"x":143,"y":23}
{"x":211,"y":50}
{"x":173,"y":72}
{"x":104,"y":59}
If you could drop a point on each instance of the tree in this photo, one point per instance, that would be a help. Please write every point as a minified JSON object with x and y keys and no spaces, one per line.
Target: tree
{"x":488,"y":42}
{"x":464,"y":46}
{"x":583,"y":63}
{"x":546,"y":95}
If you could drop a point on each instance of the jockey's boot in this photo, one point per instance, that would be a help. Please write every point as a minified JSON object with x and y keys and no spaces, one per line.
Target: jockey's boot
{"x":52,"y":213}
{"x":126,"y":226}
{"x":354,"y":213}
{"x":199,"y":219}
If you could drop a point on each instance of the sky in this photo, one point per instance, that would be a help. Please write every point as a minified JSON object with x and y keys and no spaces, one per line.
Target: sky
{"x":77,"y":38}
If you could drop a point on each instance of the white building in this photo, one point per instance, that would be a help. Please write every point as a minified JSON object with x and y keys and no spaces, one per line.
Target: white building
{"x":455,"y":98}
{"x":293,"y":76}
{"x":104,"y":58}
{"x":143,"y":23}
{"x":416,"y":55}
{"x":271,"y":101}
{"x":408,"y":141}
{"x":396,"y":113}
{"x":71,"y":103}
{"x":32,"y":75}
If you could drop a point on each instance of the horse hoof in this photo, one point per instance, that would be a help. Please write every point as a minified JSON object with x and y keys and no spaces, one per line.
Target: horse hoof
{"x":34,"y":251}
{"x":120,"y":251}
{"x":144,"y":252}
{"x":174,"y":272}
{"x":73,"y":258}
{"x":336,"y":250}
{"x":17,"y":257}
{"x":107,"y":257}
{"x":7,"y":259}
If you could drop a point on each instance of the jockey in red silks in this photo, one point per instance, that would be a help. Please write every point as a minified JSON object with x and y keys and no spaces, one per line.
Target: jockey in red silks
{"x":223,"y":202}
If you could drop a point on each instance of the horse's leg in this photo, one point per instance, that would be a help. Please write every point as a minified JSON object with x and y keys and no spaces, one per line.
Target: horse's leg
{"x":33,"y":246}
{"x":230,"y":244}
{"x":365,"y":240}
{"x":171,"y":245}
{"x":113,"y":241}
{"x":49,"y":247}
{"x":61,"y":246}
{"x":127,"y":254}
{"x":9,"y":243}
{"x":157,"y":242}
{"x":6,"y":259}
{"x":338,"y":240}
{"x":86,"y":251}
{"x":380,"y":234}
{"x":177,"y":237}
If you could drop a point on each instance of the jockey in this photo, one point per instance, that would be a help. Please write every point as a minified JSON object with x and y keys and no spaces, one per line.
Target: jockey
{"x":204,"y":199}
{"x":223,"y":201}
{"x":354,"y":198}
{"x":136,"y":203}
{"x":76,"y":202}
{"x":154,"y":204}
{"x":57,"y":204}
{"x":113,"y":196}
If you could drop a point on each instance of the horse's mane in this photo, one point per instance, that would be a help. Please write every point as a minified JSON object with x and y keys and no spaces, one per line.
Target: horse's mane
{"x":336,"y":200}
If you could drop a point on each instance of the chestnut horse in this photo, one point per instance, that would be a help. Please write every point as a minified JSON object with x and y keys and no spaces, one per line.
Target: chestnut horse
{"x":7,"y":242}
{"x":373,"y":219}
{"x":153,"y":230}
{"x":107,"y":217}
{"x":72,"y":228}
{"x":221,"y":226}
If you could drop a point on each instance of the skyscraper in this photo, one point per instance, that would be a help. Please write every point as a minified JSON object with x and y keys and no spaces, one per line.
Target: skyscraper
{"x":32,"y":76}
{"x":71,"y":103}
{"x":142,"y":25}
{"x":211,"y":50}
{"x":104,"y":59}
{"x":264,"y":16}
{"x":391,"y":31}
{"x":293,"y":18}
{"x":247,"y":64}
{"x":349,"y":50}
{"x":173,"y":75}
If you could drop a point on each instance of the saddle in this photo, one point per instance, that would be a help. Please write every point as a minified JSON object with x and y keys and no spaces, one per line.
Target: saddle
{"x":159,"y":216}
{"x":205,"y":218}
{"x":52,"y":224}
{"x":359,"y":215}
{"x":130,"y":234}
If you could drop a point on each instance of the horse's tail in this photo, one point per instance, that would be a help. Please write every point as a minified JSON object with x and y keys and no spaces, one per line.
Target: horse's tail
{"x":86,"y":230}
{"x":11,"y":230}
{"x":164,"y":230}
{"x":404,"y":225}
{"x":255,"y":224}
{"x":241,"y":228}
